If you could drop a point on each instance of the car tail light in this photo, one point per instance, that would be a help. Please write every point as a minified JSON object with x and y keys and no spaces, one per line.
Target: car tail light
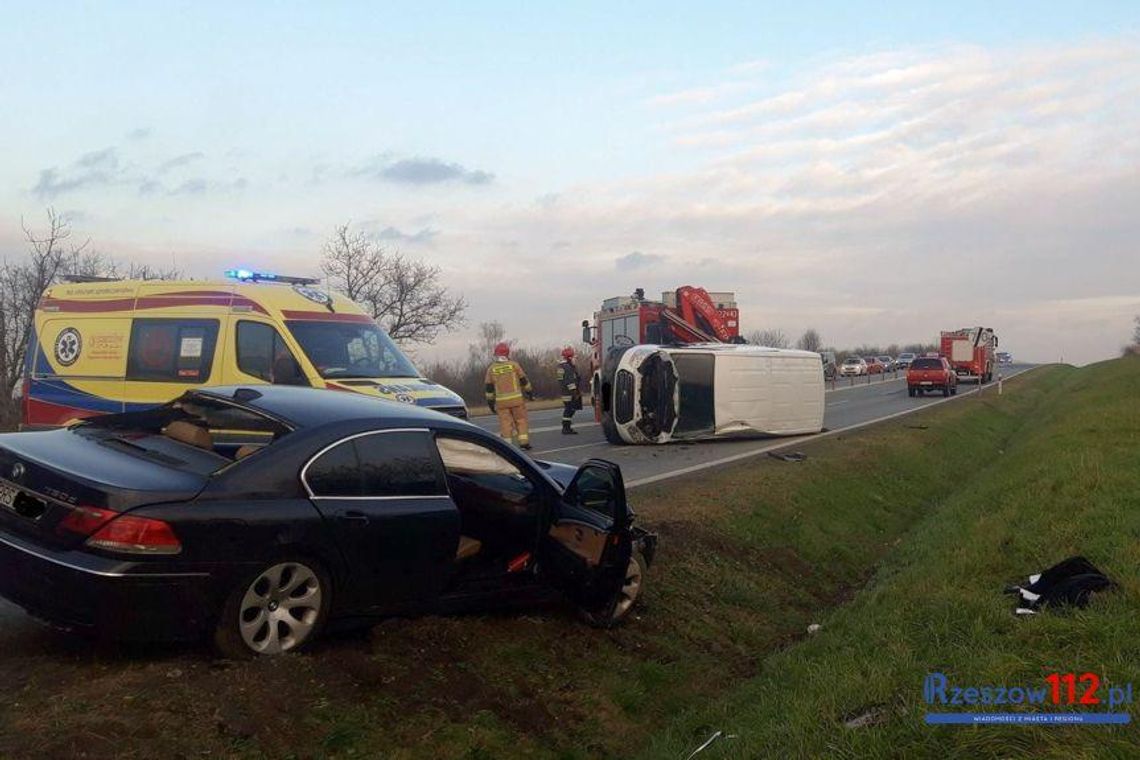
{"x":110,"y":531}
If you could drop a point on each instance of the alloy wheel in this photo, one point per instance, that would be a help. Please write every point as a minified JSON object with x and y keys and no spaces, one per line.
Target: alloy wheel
{"x":280,"y":608}
{"x":630,"y":589}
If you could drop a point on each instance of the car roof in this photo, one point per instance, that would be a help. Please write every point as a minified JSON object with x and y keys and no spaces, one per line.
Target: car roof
{"x":314,"y":407}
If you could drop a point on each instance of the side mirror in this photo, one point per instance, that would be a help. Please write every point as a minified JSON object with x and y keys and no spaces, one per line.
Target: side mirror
{"x":598,"y":486}
{"x":586,"y":336}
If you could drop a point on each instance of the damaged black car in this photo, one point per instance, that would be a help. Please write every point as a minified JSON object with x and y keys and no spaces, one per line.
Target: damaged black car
{"x":261,"y":516}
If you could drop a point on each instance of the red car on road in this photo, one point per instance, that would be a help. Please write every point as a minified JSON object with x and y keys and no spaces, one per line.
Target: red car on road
{"x":874,"y":366}
{"x":931,"y":373}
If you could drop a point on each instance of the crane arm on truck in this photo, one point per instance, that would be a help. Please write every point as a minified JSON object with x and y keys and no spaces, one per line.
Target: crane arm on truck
{"x":697,"y":309}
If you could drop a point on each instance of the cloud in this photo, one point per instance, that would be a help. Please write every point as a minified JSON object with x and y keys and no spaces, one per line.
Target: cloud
{"x":421,"y":171}
{"x":109,"y":167}
{"x":94,"y":169}
{"x":636,"y":260}
{"x":392,"y":234}
{"x":141,"y":133}
{"x":180,"y":161}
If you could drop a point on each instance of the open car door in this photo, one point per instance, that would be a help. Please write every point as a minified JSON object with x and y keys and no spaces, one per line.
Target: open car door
{"x":587,"y":552}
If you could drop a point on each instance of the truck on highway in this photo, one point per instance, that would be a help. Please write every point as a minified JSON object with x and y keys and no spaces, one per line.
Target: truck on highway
{"x":971,"y":352}
{"x":683,"y":316}
{"x":675,"y":369}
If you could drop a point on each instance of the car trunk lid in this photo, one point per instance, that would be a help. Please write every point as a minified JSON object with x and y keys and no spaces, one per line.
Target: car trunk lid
{"x":45,"y":477}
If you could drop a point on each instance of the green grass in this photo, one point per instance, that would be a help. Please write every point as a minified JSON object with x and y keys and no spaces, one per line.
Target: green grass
{"x":897,"y":539}
{"x":1067,"y":483}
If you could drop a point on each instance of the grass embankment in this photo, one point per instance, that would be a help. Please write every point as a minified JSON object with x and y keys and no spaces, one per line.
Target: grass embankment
{"x":948,"y":504}
{"x":1067,"y":482}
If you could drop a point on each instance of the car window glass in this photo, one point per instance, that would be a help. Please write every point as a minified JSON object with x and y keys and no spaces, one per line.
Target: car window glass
{"x":461,"y":456}
{"x":594,"y":488}
{"x":399,"y":464}
{"x":262,"y":353}
{"x":476,"y":473}
{"x":335,"y":472}
{"x":171,"y":350}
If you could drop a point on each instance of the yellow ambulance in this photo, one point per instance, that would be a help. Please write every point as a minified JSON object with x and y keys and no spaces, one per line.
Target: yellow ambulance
{"x":103,"y":346}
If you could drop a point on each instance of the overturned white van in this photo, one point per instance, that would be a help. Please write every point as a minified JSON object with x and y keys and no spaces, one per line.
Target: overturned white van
{"x":658,"y":394}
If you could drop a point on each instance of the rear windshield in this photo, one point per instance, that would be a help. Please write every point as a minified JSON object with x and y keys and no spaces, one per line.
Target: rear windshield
{"x":853,"y":360}
{"x":350,"y":349}
{"x":926,"y":364}
{"x":194,"y":433}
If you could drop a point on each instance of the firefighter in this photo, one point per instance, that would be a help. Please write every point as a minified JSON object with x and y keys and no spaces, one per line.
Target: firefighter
{"x":569,"y":383}
{"x":505,"y":385}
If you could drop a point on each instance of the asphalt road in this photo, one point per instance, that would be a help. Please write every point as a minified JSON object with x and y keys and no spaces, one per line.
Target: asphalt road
{"x":847,"y":407}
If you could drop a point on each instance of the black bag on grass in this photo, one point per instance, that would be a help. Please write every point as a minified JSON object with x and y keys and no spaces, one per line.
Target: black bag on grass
{"x":1071,"y":581}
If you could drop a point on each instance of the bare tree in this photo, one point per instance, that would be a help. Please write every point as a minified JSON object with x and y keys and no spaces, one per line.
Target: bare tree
{"x":1136,"y":333}
{"x":403,"y":294}
{"x":49,"y":254}
{"x":774,"y":338}
{"x":810,"y":341}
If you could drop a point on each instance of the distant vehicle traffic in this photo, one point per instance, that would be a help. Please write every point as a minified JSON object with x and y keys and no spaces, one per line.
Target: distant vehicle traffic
{"x":971,"y":352}
{"x":658,"y":394}
{"x":887,"y":362}
{"x":930,"y":373}
{"x":1004,"y":357}
{"x":904,"y":359}
{"x":874,"y":366}
{"x":146,"y":526}
{"x":853,"y":366}
{"x":109,"y":346}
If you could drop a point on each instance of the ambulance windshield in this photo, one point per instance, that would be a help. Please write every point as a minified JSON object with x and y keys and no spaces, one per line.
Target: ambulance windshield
{"x":350,"y":349}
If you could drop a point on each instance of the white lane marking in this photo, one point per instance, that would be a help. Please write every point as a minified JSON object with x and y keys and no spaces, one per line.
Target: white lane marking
{"x":572,"y":448}
{"x":837,"y":403}
{"x":804,"y":439}
{"x":552,"y":428}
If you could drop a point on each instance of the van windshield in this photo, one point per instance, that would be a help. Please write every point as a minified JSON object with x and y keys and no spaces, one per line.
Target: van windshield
{"x":350,"y":349}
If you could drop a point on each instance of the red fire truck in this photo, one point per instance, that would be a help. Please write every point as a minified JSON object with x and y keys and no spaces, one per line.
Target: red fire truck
{"x":971,"y":352}
{"x":685,"y":315}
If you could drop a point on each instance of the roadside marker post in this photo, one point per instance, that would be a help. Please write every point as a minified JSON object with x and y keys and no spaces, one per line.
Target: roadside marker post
{"x":999,"y":383}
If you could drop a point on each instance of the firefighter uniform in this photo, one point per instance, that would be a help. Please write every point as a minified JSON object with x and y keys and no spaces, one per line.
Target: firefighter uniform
{"x":505,"y":384}
{"x":570,"y":385}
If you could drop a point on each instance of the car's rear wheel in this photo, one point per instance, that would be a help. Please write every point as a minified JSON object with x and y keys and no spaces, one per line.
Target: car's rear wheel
{"x":281,"y":608}
{"x":910,"y":392}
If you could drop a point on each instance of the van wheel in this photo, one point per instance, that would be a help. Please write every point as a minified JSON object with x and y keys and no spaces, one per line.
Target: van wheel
{"x":609,"y":430}
{"x":626,"y":598}
{"x":281,"y":608}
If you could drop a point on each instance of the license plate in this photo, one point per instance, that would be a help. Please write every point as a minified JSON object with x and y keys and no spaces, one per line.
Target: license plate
{"x":926,"y":382}
{"x":8,"y":495}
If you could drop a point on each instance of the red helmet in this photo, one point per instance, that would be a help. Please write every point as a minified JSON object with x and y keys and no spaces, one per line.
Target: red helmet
{"x":502,"y":349}
{"x":568,"y":353}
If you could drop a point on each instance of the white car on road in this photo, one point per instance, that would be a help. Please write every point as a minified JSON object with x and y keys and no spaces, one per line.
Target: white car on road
{"x":853,"y":366}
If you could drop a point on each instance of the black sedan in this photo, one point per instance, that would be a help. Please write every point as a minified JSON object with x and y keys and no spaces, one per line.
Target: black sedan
{"x":260,"y":515}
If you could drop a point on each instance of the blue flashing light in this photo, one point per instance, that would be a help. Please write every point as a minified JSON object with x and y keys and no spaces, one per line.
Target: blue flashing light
{"x":245,"y":274}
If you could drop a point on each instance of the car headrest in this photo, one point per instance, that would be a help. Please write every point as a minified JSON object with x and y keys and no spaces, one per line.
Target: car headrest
{"x":187,"y":432}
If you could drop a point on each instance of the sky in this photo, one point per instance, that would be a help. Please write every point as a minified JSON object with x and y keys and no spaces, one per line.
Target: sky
{"x":877,"y":172}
